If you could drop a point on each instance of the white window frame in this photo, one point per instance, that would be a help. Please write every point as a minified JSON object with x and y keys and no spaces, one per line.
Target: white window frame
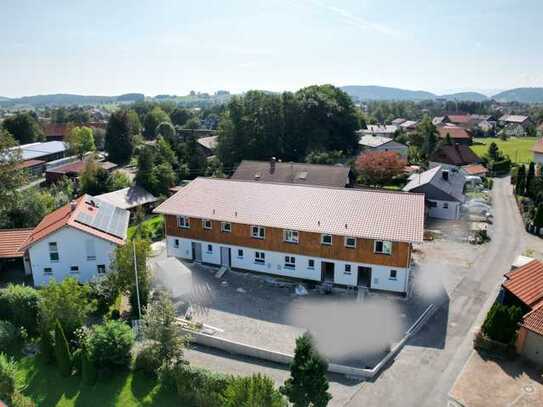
{"x":291,"y":236}
{"x":90,"y":249}
{"x":209,"y":248}
{"x":207,"y":224}
{"x":258,"y":232}
{"x":72,"y":271}
{"x":55,"y":251}
{"x":385,"y":243}
{"x":347,"y":269}
{"x":445,"y":205}
{"x":48,"y":271}
{"x":260,"y":257}
{"x":395,"y":277}
{"x":183,"y":222}
{"x":309,"y":266}
{"x":347,"y":238}
{"x":226,"y":227}
{"x":290,"y":262}
{"x":176,"y":243}
{"x":240,"y":253}
{"x":323,"y":235}
{"x":101,"y":266}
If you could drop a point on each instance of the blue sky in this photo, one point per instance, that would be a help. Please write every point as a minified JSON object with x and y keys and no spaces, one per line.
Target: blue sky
{"x":159,"y":46}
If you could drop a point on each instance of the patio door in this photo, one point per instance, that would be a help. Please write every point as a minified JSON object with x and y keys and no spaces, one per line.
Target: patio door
{"x":225,"y":256}
{"x":197,"y":252}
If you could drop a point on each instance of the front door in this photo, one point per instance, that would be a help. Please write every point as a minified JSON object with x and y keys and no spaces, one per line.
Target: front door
{"x":327,"y":271}
{"x":225,"y":256}
{"x":197,"y":252}
{"x":364,"y":276}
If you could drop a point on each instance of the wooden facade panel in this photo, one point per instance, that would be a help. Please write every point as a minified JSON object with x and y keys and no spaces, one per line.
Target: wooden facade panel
{"x":309,"y":243}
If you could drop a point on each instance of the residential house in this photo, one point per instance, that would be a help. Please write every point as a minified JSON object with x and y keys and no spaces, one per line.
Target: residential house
{"x":130,"y":198}
{"x":383,"y":130}
{"x":398,"y":121}
{"x":537,"y":150}
{"x":72,"y":170}
{"x":371,"y":143}
{"x":452,"y":156}
{"x":514,"y":119}
{"x":348,"y":237}
{"x":294,"y":173}
{"x":208,"y":145}
{"x":461,"y":120}
{"x":77,"y":240}
{"x":474,"y":170}
{"x":458,"y":134}
{"x":55,"y":131}
{"x":523,"y":287}
{"x":440,"y":120}
{"x":443,"y":190}
{"x":409,"y":126}
{"x":514,"y":130}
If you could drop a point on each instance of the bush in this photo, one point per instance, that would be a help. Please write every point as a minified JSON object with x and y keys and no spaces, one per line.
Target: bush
{"x":199,"y":386}
{"x":9,"y":336}
{"x":20,"y":305}
{"x":88,"y":369}
{"x":20,"y":400}
{"x":8,"y":378}
{"x":147,"y":357}
{"x":501,"y":323}
{"x":62,"y":351}
{"x":109,"y":345}
{"x":256,"y":390}
{"x":47,"y":348}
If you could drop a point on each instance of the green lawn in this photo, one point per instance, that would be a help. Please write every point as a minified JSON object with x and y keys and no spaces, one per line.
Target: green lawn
{"x":47,"y":388}
{"x":517,"y":148}
{"x":151,"y":224}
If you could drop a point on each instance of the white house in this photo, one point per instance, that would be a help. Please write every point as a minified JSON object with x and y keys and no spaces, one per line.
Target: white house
{"x":77,"y":240}
{"x":443,"y":189}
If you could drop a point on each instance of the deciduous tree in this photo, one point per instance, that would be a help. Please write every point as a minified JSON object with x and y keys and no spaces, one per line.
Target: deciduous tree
{"x":152,"y":120}
{"x":119,"y":141}
{"x":378,"y":168}
{"x":23,"y":127}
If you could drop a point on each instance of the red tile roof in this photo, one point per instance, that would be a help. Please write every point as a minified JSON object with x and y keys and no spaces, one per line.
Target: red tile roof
{"x":369,"y":214}
{"x":11,"y":241}
{"x":538,"y":147}
{"x":474,"y":169}
{"x":78,"y":166}
{"x":533,"y":320}
{"x":460,"y":118}
{"x":455,"y":132}
{"x":55,"y":129}
{"x":526,"y":283}
{"x":28,"y":163}
{"x":66,"y":216}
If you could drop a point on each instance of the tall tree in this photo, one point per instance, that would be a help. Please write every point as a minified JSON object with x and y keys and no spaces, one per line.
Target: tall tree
{"x":530,"y":176}
{"x":180,"y":116}
{"x":11,"y":177}
{"x":152,"y":120}
{"x":520,"y":186}
{"x":119,"y":141}
{"x":81,"y":140}
{"x":307,"y":385}
{"x":428,"y":134}
{"x":24,"y":128}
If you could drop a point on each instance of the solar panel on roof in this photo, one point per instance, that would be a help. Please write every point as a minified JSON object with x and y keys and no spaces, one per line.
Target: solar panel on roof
{"x":108,"y":218}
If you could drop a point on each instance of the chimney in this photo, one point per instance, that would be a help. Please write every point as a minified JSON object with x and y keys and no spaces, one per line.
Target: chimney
{"x":272,"y":164}
{"x":445,"y":175}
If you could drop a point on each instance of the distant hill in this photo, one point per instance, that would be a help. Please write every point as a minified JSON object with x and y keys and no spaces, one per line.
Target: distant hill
{"x":466,"y":96}
{"x":63,"y":99}
{"x":365,"y":93}
{"x":522,"y":95}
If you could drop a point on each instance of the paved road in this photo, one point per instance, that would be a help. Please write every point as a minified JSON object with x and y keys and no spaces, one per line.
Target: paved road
{"x":425,"y":370}
{"x":427,"y":383}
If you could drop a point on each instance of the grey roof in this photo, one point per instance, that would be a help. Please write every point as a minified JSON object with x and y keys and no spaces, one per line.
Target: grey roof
{"x":128,"y":198}
{"x":408,"y":123}
{"x":293,"y":173}
{"x":398,"y":121}
{"x":104,"y":217}
{"x":373,"y":141}
{"x":451,"y":189}
{"x":37,"y":150}
{"x":379,"y":129}
{"x":513,"y":118}
{"x":208,"y":142}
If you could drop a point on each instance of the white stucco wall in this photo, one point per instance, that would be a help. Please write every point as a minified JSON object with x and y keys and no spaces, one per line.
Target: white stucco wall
{"x":72,"y":250}
{"x":440,"y":212}
{"x":275,"y":264}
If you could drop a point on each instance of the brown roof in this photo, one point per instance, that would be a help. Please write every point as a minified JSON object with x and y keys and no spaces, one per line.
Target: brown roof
{"x":526,"y":283}
{"x":55,"y":129}
{"x":533,"y":320}
{"x":293,"y":173}
{"x":455,"y":132}
{"x":11,"y":240}
{"x":77,"y":167}
{"x":81,"y":217}
{"x":455,"y":154}
{"x":474,"y":169}
{"x":538,"y":147}
{"x":370,"y":214}
{"x":460,"y":118}
{"x":28,"y":163}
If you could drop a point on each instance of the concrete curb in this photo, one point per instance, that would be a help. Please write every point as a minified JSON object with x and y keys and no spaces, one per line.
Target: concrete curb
{"x":256,"y":352}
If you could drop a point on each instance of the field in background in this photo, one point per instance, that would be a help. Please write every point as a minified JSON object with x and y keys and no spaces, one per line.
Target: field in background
{"x":517,"y":148}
